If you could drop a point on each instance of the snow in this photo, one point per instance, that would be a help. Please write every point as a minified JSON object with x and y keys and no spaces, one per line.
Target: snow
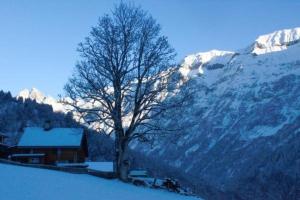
{"x":276,"y":41}
{"x":39,"y":97}
{"x":193,"y":64}
{"x":101,"y":166}
{"x":35,"y":136}
{"x":82,"y":165}
{"x":261,"y":131}
{"x":138,"y":173}
{"x":23,"y":183}
{"x":24,"y":94}
{"x":192,"y":149}
{"x":178,"y":163}
{"x":33,"y":94}
{"x":245,"y":70}
{"x":57,"y":107}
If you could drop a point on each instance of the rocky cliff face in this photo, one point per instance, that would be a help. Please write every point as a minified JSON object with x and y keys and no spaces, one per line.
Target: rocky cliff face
{"x":241,"y":128}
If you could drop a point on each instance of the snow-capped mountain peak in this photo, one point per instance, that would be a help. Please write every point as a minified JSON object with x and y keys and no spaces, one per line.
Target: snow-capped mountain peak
{"x":33,"y":94}
{"x":193,"y":64}
{"x":196,"y":64}
{"x":39,"y":97}
{"x":276,"y":41}
{"x":24,"y":94}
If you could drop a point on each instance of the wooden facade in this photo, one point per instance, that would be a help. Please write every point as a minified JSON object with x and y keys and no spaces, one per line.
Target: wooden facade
{"x":51,"y":155}
{"x":3,"y":151}
{"x":2,"y":138}
{"x":3,"y":146}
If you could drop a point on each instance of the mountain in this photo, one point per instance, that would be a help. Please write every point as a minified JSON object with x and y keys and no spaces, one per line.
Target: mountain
{"x":39,"y":97}
{"x":32,"y":108}
{"x":16,"y":114}
{"x":276,"y":41}
{"x":240,"y":131}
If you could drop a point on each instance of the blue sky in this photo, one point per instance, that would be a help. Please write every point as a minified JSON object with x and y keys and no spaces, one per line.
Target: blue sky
{"x":38,"y":39}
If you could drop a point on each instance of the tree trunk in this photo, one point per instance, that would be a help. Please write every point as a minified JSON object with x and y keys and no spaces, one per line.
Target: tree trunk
{"x":122,"y":162}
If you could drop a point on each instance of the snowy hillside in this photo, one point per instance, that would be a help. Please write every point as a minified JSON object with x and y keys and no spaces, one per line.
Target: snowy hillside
{"x":22,"y":183}
{"x":194,"y":64}
{"x":241,"y":128}
{"x":58,"y":107}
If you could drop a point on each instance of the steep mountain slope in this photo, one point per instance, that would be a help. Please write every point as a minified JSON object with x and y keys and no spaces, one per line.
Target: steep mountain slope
{"x":241,"y":128}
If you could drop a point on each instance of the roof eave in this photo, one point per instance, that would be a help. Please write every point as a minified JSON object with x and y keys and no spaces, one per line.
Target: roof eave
{"x":48,"y":147}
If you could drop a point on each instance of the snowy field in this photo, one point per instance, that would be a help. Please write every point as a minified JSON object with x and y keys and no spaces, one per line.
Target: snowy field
{"x":101,"y":166}
{"x":24,"y":183}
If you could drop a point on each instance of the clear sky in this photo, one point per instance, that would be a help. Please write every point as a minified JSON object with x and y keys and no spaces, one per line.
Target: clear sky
{"x":38,"y":39}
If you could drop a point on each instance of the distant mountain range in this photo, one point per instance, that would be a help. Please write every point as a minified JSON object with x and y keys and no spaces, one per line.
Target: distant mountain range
{"x":39,"y":97}
{"x":240,"y":132}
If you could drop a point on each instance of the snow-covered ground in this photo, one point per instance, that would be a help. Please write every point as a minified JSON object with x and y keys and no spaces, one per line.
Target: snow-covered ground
{"x":23,"y":183}
{"x":101,"y":166}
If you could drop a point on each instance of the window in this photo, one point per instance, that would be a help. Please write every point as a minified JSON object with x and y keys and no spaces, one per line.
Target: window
{"x":58,"y":153}
{"x":34,"y":160}
{"x":75,"y":157}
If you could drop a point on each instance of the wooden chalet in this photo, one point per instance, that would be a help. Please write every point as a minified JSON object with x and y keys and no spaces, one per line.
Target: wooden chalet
{"x":51,"y":146}
{"x":3,"y":146}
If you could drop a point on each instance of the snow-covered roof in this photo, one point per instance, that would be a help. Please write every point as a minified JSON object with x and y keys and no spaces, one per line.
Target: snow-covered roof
{"x":55,"y":137}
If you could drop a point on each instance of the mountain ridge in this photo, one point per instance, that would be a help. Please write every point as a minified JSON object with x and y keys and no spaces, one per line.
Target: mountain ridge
{"x":193,"y":64}
{"x":39,"y":97}
{"x":241,"y":127}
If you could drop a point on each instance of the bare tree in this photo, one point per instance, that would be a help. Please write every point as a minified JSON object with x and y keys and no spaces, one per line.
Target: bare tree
{"x":123,"y":77}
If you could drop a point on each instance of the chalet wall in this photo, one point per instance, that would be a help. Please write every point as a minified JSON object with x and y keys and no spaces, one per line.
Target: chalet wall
{"x":107,"y":175}
{"x":27,"y":153}
{"x":3,"y":151}
{"x":53,"y":155}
